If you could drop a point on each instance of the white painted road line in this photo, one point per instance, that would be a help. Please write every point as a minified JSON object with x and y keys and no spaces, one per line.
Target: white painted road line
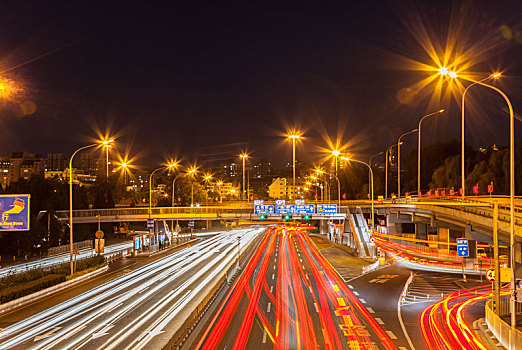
{"x":391,"y":335}
{"x":379,"y":320}
{"x":273,"y":276}
{"x":362,"y":301}
{"x":264,"y":336}
{"x":271,"y":289}
{"x":370,"y":310}
{"x":268,"y":307}
{"x":355,"y":293}
{"x":316,"y":308}
{"x":350,"y":286}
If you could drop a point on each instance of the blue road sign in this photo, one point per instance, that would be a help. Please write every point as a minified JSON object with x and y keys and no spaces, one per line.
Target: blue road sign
{"x":462,"y":247}
{"x":304,"y":209}
{"x":191,"y":224}
{"x":280,"y":202}
{"x":15,"y":212}
{"x":285,"y":209}
{"x":326,"y":208}
{"x":150,"y":224}
{"x":264,"y":209}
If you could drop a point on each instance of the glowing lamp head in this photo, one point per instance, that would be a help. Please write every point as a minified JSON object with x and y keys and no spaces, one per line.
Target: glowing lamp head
{"x":123,"y":165}
{"x":336,"y":153}
{"x":442,"y":110}
{"x":443,"y":71}
{"x":452,"y":74}
{"x":496,"y":75}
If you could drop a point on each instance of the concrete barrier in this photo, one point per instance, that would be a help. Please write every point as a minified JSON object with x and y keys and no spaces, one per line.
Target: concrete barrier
{"x":13,"y":304}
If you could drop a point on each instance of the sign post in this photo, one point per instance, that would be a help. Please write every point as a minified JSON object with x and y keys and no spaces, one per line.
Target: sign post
{"x":463,"y":252}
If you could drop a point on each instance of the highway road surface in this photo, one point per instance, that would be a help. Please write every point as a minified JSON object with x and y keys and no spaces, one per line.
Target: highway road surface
{"x":136,"y":310}
{"x":289,"y":297}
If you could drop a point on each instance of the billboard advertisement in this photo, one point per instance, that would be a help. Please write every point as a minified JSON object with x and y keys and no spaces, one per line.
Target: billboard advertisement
{"x":14,"y":209}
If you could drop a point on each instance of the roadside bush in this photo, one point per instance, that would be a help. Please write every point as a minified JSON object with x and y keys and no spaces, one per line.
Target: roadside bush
{"x":17,"y":286}
{"x":18,"y":291}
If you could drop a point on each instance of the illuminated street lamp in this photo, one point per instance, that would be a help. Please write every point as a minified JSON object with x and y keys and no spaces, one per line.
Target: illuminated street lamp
{"x":399,"y":161}
{"x":511,"y":183}
{"x":419,"y":151}
{"x":293,"y":136}
{"x":169,"y":167}
{"x":336,"y":154}
{"x":103,"y":143}
{"x":463,"y":168}
{"x":207,"y":179}
{"x":243,"y":157}
{"x":371,"y":185}
{"x":107,"y":146}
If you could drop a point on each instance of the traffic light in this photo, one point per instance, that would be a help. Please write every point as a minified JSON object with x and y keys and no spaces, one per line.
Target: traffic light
{"x":286,"y":217}
{"x":306,"y":217}
{"x":262,"y":217}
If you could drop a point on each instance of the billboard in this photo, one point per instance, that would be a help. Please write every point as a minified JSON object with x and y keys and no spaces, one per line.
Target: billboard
{"x":15,"y":212}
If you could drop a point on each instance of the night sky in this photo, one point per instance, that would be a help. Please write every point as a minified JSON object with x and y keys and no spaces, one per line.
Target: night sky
{"x":205,"y":79}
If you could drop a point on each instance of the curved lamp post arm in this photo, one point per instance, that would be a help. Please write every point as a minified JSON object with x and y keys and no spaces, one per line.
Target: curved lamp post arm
{"x":399,"y":160}
{"x":71,"y":203}
{"x":419,"y":150}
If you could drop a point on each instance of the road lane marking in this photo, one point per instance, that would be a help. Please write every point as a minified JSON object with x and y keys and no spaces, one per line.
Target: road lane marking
{"x":271,"y":289}
{"x":268,"y":307}
{"x":350,"y":286}
{"x":391,"y":335}
{"x":379,"y":320}
{"x":355,"y":293}
{"x":362,"y":301}
{"x":341,"y":302}
{"x":370,"y":310}
{"x":144,"y":289}
{"x":316,"y":308}
{"x":264,"y":336}
{"x":274,"y":267}
{"x":273,"y":276}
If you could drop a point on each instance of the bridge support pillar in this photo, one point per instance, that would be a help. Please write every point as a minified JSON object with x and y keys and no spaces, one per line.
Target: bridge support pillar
{"x":443,"y":236}
{"x":209,"y":224}
{"x":323,"y":227}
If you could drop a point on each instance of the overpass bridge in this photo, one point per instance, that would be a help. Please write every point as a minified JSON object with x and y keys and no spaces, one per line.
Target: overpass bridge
{"x":472,"y":218}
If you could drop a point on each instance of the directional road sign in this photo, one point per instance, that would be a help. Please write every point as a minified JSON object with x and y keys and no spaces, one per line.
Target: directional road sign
{"x":150,"y":224}
{"x":263,"y":209}
{"x":191,"y":224}
{"x":299,"y":201}
{"x":304,"y":208}
{"x":258,"y":202}
{"x":285,"y":209}
{"x":326,"y":208}
{"x":280,"y":202}
{"x":462,"y":247}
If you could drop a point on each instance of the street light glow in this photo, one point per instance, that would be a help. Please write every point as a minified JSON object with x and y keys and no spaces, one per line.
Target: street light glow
{"x":443,"y":71}
{"x":336,"y":153}
{"x":452,"y":74}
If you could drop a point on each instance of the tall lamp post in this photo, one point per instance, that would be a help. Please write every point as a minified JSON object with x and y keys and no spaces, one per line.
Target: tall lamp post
{"x":336,"y":154}
{"x":207,"y":179}
{"x":399,"y":161}
{"x":371,"y":187}
{"x":419,"y":151}
{"x":370,"y":164}
{"x":293,"y":136}
{"x":71,"y":240}
{"x":169,"y":166}
{"x":189,"y":172}
{"x":386,"y":171}
{"x":511,"y":186}
{"x":243,"y":156}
